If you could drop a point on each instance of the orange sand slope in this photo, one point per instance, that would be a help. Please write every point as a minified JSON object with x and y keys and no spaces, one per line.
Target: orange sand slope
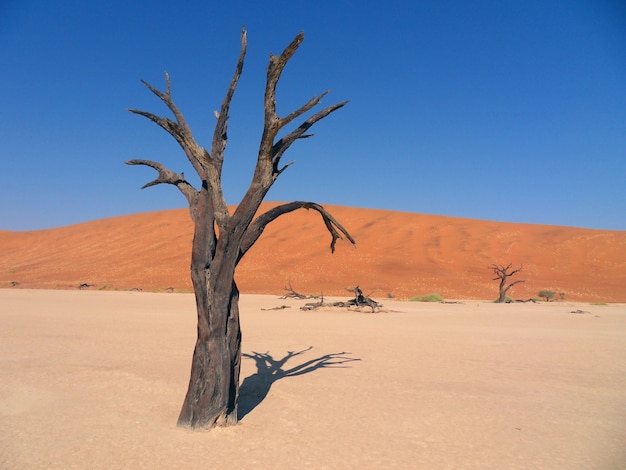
{"x":399,"y":254}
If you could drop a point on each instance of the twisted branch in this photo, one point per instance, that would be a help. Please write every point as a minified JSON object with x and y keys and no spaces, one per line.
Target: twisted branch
{"x":257,"y":227}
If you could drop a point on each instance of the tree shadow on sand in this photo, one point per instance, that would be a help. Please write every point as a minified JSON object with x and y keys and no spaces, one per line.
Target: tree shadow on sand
{"x":255,"y":388}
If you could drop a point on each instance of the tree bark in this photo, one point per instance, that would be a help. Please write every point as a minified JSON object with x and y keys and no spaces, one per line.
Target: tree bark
{"x":211,"y":398}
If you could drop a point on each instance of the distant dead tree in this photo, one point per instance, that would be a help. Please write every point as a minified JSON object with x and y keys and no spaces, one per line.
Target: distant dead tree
{"x":221,"y":239}
{"x":502,"y":274}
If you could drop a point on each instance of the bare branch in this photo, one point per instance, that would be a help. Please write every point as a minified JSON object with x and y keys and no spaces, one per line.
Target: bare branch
{"x":274,"y":70}
{"x":273,"y":123}
{"x":167,"y":176}
{"x":258,"y":225}
{"x":170,"y":126}
{"x":198,"y":156}
{"x":278,"y":172}
{"x":167,"y":99}
{"x":200,"y":159}
{"x":303,"y":109}
{"x":220,"y":135}
{"x":503,"y":271}
{"x":284,"y":143}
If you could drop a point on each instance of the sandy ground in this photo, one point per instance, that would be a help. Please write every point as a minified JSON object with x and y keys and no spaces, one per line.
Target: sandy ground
{"x":93,"y":379}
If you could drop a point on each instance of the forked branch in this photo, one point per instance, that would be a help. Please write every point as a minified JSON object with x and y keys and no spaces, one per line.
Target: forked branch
{"x":180,"y":130}
{"x":284,"y":143}
{"x":167,"y":176}
{"x":502,"y":272}
{"x":273,"y":123}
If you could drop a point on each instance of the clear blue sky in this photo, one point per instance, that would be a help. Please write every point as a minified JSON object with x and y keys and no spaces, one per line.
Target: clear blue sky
{"x":498,"y":110}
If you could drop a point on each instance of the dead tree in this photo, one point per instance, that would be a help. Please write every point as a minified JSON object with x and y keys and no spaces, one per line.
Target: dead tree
{"x":502,"y":274}
{"x":222,"y":238}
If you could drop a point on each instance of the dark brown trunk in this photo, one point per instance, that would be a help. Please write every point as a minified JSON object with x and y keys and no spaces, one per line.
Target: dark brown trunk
{"x":211,"y":398}
{"x":502,"y":296}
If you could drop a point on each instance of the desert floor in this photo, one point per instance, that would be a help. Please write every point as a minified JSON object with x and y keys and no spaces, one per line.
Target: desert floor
{"x":92,"y":379}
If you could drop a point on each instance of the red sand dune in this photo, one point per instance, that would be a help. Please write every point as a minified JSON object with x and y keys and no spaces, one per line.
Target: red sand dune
{"x":399,"y":254}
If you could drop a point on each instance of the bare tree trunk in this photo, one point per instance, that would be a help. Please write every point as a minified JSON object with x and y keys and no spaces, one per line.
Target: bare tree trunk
{"x":502,"y":290}
{"x":211,"y":398}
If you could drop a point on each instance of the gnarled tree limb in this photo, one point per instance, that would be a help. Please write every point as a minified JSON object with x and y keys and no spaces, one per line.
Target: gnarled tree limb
{"x":258,"y":225}
{"x":208,"y":172}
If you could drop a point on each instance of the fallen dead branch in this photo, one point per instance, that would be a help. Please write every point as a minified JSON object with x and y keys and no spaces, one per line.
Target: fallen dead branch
{"x":292,"y":294}
{"x":359,"y":301}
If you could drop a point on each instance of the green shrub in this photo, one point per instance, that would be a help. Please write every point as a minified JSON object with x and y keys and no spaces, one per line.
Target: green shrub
{"x":427,"y":298}
{"x":546,"y":294}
